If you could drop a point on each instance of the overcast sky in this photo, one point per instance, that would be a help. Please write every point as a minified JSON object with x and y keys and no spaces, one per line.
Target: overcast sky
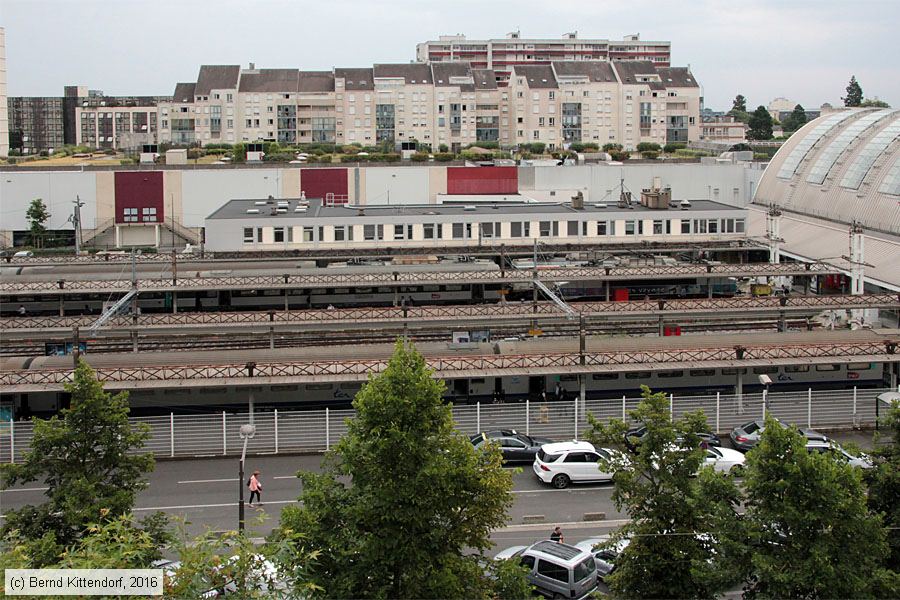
{"x":805,"y":50}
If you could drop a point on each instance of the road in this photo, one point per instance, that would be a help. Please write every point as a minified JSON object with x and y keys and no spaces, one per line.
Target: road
{"x":204,"y":492}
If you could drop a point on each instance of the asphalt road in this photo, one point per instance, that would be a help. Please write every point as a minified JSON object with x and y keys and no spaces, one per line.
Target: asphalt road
{"x":204,"y":492}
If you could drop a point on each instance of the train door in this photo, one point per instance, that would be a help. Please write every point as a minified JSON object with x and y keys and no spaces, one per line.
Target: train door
{"x":224,"y":300}
{"x":499,"y":392}
{"x":536,"y":387}
{"x":461,"y":389}
{"x":477,"y":292}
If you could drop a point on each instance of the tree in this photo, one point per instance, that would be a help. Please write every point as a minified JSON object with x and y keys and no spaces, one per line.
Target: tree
{"x":85,"y":456}
{"x":884,"y":483}
{"x":760,"y":124}
{"x":796,"y":119}
{"x":854,"y":93}
{"x":874,"y":103}
{"x":739,"y":104}
{"x":37,"y":214}
{"x":809,"y":533}
{"x":422,"y":498}
{"x":672,"y":553}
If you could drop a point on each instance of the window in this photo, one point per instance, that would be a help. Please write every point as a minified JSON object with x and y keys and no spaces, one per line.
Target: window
{"x":703,"y":372}
{"x":548,"y":228}
{"x":248,"y":235}
{"x":796,"y":368}
{"x":604,"y":376}
{"x":638,"y":375}
{"x":490,"y":230}
{"x":308,"y":234}
{"x":670,"y":374}
{"x":373,"y":232}
{"x":602,"y":227}
{"x":279,"y":234}
{"x":657,"y":227}
{"x":828,"y":367}
{"x":462,"y":231}
{"x":129,"y":215}
{"x":855,"y":367}
{"x":629,"y":227}
{"x":739,"y":225}
{"x":148,"y":215}
{"x":553,"y":571}
{"x":764,"y":370}
{"x":428,"y":231}
{"x":685,"y":226}
{"x":519,"y":229}
{"x":340,"y":233}
{"x":528,"y":561}
{"x":572,"y":228}
{"x":713,"y":226}
{"x":259,"y":236}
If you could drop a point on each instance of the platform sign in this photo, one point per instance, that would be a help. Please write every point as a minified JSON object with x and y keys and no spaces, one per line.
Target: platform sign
{"x":481,"y":335}
{"x":535,"y":332}
{"x":53,"y":349}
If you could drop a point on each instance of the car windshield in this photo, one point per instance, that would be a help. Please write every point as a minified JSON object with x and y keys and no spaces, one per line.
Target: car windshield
{"x":585,"y":569}
{"x":547,"y":458}
{"x":713,"y":452}
{"x":750,"y":427}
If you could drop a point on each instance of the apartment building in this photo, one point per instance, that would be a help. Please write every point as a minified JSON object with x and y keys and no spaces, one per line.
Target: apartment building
{"x":119,"y":123}
{"x":35,"y":123}
{"x":501,"y":54}
{"x":724,"y":129}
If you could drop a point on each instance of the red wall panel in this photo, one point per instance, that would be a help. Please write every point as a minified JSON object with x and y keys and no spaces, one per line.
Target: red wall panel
{"x":316,"y":183}
{"x":141,"y":189}
{"x":482,"y":180}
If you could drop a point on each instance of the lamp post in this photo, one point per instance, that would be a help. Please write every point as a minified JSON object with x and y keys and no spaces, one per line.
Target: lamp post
{"x":247,"y":432}
{"x":766,"y":381}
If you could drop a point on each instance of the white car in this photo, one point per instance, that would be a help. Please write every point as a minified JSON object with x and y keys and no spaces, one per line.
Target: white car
{"x":832,"y":448}
{"x":724,"y":459}
{"x":563,"y":463}
{"x":605,"y":557}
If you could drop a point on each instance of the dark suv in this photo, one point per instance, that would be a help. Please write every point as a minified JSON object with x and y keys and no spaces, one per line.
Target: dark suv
{"x":634,"y":436}
{"x":515,"y":446}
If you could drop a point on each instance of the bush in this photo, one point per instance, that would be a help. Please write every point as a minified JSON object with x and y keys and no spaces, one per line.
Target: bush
{"x":619,"y":155}
{"x":584,"y":147}
{"x":194,"y":153}
{"x":212,"y":147}
{"x":486,"y":145}
{"x":760,"y":156}
{"x":648,"y":147}
{"x":128,"y":161}
{"x":610,"y":148}
{"x":350,"y":149}
{"x":443,"y":148}
{"x":107,"y":152}
{"x":322,"y":158}
{"x":238,"y":153}
{"x":44,"y":153}
{"x":534,"y":148}
{"x":650,"y":154}
{"x":352,"y":158}
{"x":278,"y":157}
{"x":671,"y":147}
{"x":419,"y":157}
{"x":444,"y":156}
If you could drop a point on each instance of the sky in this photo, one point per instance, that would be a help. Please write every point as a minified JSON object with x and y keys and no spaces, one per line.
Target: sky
{"x":803,"y":50}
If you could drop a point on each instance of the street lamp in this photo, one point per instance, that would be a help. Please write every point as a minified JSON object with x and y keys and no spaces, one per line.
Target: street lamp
{"x":765,"y":381}
{"x":247,"y":432}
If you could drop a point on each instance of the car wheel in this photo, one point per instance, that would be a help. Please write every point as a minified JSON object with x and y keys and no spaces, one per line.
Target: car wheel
{"x":561,"y":481}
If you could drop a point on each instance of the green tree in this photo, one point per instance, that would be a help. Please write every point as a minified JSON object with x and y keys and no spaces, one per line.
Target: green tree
{"x":739,"y":104}
{"x":854,"y":93}
{"x":796,"y":119}
{"x":809,"y":533}
{"x":671,"y":513}
{"x":422,"y":498}
{"x":874,"y":103}
{"x":760,"y":124}
{"x":85,"y":456}
{"x":238,"y":153}
{"x":37,"y":214}
{"x":884,"y":483}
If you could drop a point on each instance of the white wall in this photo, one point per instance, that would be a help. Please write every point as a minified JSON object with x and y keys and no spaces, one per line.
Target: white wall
{"x":407,"y":185}
{"x":203,"y":192}
{"x":57,"y":189}
{"x":688,"y":181}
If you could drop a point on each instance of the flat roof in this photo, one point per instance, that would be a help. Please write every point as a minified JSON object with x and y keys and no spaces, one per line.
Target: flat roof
{"x":286,"y":208}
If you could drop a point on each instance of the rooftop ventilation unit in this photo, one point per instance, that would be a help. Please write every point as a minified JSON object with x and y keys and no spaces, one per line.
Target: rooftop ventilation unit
{"x":684,"y":204}
{"x":252,"y":211}
{"x":260,"y":203}
{"x":600,"y":205}
{"x":470,"y":208}
{"x":300,"y":209}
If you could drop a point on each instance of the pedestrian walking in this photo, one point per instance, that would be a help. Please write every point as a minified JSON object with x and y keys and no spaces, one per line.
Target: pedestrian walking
{"x":21,"y":310}
{"x":255,"y":488}
{"x":557,"y":535}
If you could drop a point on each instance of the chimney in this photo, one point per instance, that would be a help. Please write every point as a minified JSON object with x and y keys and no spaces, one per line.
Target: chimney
{"x":578,"y":201}
{"x":252,"y":66}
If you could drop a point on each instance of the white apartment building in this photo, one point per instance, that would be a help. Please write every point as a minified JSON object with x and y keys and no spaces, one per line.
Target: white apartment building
{"x":502,"y":54}
{"x":449,"y":103}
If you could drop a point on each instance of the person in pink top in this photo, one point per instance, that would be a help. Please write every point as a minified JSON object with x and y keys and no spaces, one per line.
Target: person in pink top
{"x":255,"y":488}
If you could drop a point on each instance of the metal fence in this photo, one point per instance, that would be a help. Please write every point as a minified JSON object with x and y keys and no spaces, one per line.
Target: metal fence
{"x":280,"y":431}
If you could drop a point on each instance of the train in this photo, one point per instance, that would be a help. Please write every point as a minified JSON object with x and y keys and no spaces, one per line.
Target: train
{"x":486,"y":390}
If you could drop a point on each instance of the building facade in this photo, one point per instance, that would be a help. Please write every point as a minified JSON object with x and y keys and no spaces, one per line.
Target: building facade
{"x":502,"y":54}
{"x":36,"y":123}
{"x":447,"y":104}
{"x":4,"y":111}
{"x":724,"y":129}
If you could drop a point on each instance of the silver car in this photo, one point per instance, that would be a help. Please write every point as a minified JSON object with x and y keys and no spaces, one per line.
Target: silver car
{"x":834,"y":449}
{"x":747,"y":435}
{"x":556,"y":570}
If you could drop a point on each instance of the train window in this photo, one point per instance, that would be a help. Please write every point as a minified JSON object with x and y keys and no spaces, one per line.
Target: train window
{"x":739,"y":225}
{"x":272,"y":293}
{"x":308,"y":233}
{"x":453,"y":288}
{"x":340,"y":233}
{"x":490,"y":230}
{"x":248,"y":235}
{"x":259,"y":234}
{"x":638,"y":375}
{"x":629,"y":227}
{"x":177,"y":392}
{"x":733,"y":370}
{"x":763,"y":370}
{"x":572,"y":228}
{"x":520,"y":229}
{"x":657,"y":227}
{"x":670,"y":374}
{"x":568,"y":377}
{"x":702,"y":372}
{"x":859,"y":366}
{"x":796,"y":368}
{"x":341,"y":290}
{"x":828,"y":367}
{"x":548,"y":228}
{"x":318,"y":386}
{"x":285,"y":388}
{"x":428,"y":231}
{"x":373,"y":232}
{"x":604,"y":376}
{"x":398,"y":232}
{"x":480,"y":380}
{"x":713,"y":226}
{"x":219,"y":391}
{"x":279,"y":234}
{"x":685,"y":226}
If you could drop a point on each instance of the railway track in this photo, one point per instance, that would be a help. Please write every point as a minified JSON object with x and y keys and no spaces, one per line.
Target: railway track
{"x":384,"y":335}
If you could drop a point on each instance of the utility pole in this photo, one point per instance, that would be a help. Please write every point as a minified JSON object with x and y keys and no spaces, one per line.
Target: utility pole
{"x":534,"y":297}
{"x":76,"y":223}
{"x":172,"y":217}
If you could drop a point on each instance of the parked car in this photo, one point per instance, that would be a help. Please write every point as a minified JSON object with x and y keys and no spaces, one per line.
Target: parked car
{"x":562,"y":463}
{"x":725,"y":460}
{"x":634,"y":436}
{"x":556,"y":570}
{"x":604,"y":556}
{"x":747,"y":435}
{"x":515,"y":446}
{"x":830,"y":447}
{"x":23,"y":254}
